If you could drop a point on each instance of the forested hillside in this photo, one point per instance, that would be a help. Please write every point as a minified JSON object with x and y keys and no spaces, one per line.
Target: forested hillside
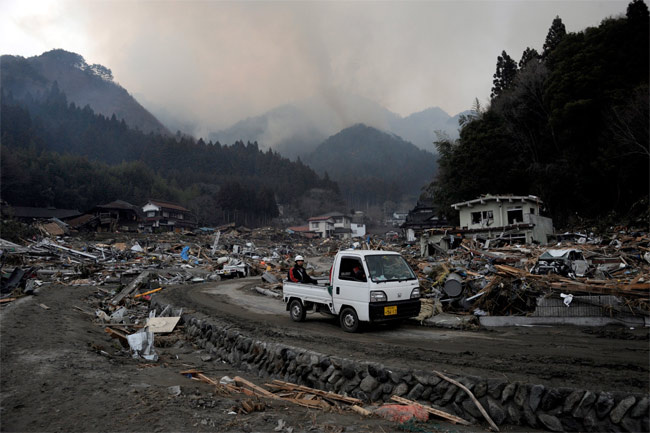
{"x":372,"y":167}
{"x":84,"y":84}
{"x":569,"y":124}
{"x":58,"y":154}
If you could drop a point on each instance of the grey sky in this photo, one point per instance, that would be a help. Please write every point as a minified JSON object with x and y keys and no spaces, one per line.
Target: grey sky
{"x":213,"y":63}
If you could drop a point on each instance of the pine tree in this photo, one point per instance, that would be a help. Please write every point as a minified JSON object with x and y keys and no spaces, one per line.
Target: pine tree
{"x":528,"y":55}
{"x":637,"y":13}
{"x":504,"y":75}
{"x":555,"y":34}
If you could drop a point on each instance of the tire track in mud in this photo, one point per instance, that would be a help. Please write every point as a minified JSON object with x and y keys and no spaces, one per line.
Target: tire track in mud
{"x":560,"y":357}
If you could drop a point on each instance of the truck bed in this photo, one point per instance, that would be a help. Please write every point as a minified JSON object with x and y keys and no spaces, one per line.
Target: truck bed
{"x":307,"y":292}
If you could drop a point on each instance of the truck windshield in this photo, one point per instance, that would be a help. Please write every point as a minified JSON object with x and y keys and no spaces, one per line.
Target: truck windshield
{"x":388,"y":267}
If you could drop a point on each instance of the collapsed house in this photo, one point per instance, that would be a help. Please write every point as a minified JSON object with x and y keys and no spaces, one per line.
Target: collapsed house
{"x":117,"y":215}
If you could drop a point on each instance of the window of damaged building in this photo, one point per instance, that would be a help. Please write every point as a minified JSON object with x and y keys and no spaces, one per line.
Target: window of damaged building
{"x":515,"y":215}
{"x":482,"y":217}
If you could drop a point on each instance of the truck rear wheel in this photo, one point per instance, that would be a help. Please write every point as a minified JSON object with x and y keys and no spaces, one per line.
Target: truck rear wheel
{"x":297,"y":311}
{"x":349,"y":320}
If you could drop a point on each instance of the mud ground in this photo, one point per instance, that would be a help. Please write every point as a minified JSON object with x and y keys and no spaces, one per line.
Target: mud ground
{"x":612,"y":358}
{"x":60,"y":372}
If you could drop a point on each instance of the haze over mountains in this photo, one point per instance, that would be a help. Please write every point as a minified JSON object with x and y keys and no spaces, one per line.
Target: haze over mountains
{"x":297,"y":129}
{"x":82,"y":84}
{"x":372,"y":166}
{"x":360,"y":144}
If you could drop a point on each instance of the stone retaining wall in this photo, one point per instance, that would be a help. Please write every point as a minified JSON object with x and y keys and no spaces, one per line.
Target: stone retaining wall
{"x":515,"y":403}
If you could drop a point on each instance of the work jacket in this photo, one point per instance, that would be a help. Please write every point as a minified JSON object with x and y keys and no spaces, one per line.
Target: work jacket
{"x":298,"y":274}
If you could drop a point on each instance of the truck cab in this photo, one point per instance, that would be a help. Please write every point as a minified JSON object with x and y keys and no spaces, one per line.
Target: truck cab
{"x":364,"y":286}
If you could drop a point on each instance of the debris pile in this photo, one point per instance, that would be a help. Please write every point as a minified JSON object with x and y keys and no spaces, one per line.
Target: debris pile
{"x":611,"y":273}
{"x":603,"y":275}
{"x":407,"y":410}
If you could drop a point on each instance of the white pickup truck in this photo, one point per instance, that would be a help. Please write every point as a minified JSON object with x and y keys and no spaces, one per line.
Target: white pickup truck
{"x":364,"y":286}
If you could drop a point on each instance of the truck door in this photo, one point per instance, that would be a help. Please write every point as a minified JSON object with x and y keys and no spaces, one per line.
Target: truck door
{"x":351,"y":286}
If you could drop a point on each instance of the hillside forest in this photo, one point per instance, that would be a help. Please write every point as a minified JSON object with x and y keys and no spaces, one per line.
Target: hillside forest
{"x":55,"y":153}
{"x":568,"y":123}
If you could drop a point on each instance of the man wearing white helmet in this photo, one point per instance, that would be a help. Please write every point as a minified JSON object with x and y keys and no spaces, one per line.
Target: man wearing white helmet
{"x":298,"y":274}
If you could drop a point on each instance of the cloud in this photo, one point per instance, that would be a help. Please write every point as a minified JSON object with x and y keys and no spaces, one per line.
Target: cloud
{"x":211,"y":63}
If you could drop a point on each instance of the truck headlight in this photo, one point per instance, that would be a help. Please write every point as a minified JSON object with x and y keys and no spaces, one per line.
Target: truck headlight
{"x":415,"y":293}
{"x":378,"y":296}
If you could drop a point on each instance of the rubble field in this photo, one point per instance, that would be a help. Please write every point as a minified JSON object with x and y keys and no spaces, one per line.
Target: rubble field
{"x":79,"y":337}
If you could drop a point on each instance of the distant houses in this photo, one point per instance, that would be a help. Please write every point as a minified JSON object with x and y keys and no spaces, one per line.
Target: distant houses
{"x":166,"y":216}
{"x":118,"y":215}
{"x":336,"y":224}
{"x":31,"y":214}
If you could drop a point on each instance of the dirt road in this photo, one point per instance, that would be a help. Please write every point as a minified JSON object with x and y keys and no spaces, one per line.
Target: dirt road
{"x":62,"y":373}
{"x":598,"y":359}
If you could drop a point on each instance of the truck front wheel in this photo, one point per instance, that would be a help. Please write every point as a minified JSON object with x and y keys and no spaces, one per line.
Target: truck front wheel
{"x":349,"y":320}
{"x":297,"y":311}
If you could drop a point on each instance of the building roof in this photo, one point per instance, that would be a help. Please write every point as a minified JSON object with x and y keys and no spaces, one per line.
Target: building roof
{"x":41,"y":212}
{"x":328,"y":215}
{"x":118,"y":204}
{"x":498,"y":198}
{"x":320,"y":218}
{"x":167,"y":205}
{"x":81,"y":220}
{"x":299,"y":228}
{"x":424,"y":217}
{"x":335,"y":214}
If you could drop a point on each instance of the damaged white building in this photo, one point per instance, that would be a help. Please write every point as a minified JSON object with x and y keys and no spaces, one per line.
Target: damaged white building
{"x":506,"y":218}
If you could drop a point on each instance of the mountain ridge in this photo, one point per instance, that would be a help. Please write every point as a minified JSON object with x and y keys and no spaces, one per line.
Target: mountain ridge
{"x":296,"y":129}
{"x":370,"y":165}
{"x":83,"y":84}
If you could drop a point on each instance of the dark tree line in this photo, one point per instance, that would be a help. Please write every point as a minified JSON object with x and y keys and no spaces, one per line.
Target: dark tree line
{"x":569,"y":125}
{"x":57,"y":154}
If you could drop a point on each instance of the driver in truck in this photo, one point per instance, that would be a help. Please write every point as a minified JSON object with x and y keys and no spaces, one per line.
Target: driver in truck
{"x":298,"y":274}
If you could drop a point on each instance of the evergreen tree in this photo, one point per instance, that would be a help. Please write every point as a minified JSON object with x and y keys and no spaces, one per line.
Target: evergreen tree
{"x":528,"y":55}
{"x":637,"y":13}
{"x":555,"y":34}
{"x":504,"y":75}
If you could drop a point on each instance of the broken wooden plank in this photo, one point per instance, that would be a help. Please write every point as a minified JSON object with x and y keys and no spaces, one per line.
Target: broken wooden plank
{"x":361,"y":411}
{"x":206,"y":379}
{"x":117,"y":334}
{"x":471,"y":395}
{"x":312,"y":404}
{"x":131,"y":287}
{"x":251,"y":385}
{"x":48,"y":243}
{"x":327,"y":394}
{"x":442,"y":414}
{"x":2,"y":301}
